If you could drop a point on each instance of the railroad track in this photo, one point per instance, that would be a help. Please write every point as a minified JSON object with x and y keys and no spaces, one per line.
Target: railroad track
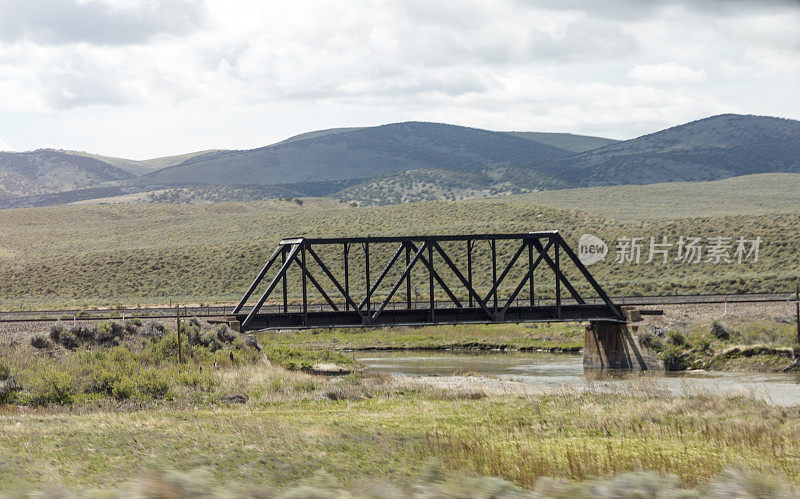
{"x":213,"y":311}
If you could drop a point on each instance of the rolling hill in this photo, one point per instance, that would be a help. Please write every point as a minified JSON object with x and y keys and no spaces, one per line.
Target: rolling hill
{"x":139,"y":167}
{"x":46,"y":171}
{"x":713,"y":148}
{"x":568,"y":141}
{"x":746,"y":195}
{"x":412,"y":161}
{"x":360,"y":153}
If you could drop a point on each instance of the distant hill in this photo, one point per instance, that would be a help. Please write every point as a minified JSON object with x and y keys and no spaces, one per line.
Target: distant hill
{"x":746,"y":195}
{"x":437,"y":184}
{"x":46,"y":171}
{"x":714,"y":148}
{"x":140,"y":167}
{"x":568,"y":141}
{"x":360,"y":153}
{"x":412,"y":161}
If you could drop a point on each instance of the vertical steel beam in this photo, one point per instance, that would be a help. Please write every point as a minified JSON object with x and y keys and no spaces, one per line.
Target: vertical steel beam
{"x":430,"y":278}
{"x":558,"y":281}
{"x":469,"y":268}
{"x":346,"y":274}
{"x":530,"y":269}
{"x":366,"y":275}
{"x":494,"y":274}
{"x":285,"y":291}
{"x":408,"y":276}
{"x":305,"y":275}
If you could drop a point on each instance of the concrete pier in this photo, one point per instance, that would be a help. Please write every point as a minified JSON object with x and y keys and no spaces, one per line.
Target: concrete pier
{"x":616,"y":345}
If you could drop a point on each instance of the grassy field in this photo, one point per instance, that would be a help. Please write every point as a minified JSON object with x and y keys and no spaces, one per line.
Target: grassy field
{"x":93,"y":409}
{"x":390,"y":434}
{"x":746,"y":195}
{"x":556,"y":337}
{"x":140,"y":254}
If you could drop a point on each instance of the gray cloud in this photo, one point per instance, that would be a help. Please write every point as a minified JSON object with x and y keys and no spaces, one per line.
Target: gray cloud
{"x":638,"y":9}
{"x":57,"y":22}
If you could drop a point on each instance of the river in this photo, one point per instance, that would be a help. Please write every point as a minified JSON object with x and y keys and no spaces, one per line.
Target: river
{"x":545,"y":369}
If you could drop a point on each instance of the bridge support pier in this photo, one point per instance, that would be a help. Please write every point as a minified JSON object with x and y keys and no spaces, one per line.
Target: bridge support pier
{"x":616,"y":345}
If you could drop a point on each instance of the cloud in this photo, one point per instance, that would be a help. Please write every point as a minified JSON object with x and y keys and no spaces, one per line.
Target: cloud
{"x":668,"y":72}
{"x":169,"y":76}
{"x":56,"y":22}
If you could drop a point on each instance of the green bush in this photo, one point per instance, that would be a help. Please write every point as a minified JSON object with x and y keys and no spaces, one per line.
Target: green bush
{"x":153,"y":330}
{"x":39,"y":341}
{"x":719,"y":331}
{"x":81,"y":332}
{"x":56,"y":330}
{"x":676,"y":338}
{"x":50,"y":385}
{"x":68,"y":340}
{"x":674,"y":358}
{"x":5,"y":370}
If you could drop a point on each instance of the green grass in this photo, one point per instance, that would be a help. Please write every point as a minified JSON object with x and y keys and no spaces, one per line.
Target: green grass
{"x":392,"y":436}
{"x":568,"y":337}
{"x":140,"y":254}
{"x":746,"y":195}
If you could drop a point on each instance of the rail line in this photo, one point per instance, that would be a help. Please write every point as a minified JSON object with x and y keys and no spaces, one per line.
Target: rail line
{"x":215,"y":311}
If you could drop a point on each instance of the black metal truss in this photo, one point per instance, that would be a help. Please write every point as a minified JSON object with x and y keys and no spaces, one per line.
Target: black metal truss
{"x":425,"y":252}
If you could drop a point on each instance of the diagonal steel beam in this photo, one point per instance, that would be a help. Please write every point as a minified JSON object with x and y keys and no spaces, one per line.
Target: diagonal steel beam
{"x":586,"y":274}
{"x":438,"y":278}
{"x":258,"y":278}
{"x":559,"y":275}
{"x":505,"y":272}
{"x":399,"y":281}
{"x":525,"y":279}
{"x":271,"y":287}
{"x":335,"y":282}
{"x":382,"y":275}
{"x":464,"y":282}
{"x":316,"y":284}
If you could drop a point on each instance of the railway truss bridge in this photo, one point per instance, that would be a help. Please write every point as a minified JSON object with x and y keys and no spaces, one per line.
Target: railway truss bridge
{"x":435,"y":280}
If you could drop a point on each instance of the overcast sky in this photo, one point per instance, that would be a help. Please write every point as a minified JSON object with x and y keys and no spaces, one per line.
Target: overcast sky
{"x":146,"y":78}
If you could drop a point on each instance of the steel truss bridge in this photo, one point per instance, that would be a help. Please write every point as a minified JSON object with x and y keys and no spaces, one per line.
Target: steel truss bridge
{"x":445,"y":264}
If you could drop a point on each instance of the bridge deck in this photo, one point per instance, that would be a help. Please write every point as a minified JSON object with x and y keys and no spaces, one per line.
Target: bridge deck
{"x":417,"y":317}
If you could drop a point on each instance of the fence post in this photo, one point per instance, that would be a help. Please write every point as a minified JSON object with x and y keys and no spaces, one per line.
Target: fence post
{"x":797,"y":308}
{"x":178,"y":324}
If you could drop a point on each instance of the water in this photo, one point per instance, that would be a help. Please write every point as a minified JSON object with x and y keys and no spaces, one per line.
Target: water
{"x":553,"y":370}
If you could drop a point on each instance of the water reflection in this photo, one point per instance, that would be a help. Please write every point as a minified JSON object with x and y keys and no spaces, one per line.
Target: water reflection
{"x":567,"y":370}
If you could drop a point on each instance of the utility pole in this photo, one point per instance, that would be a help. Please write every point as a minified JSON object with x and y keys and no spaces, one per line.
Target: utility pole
{"x":178,"y":325}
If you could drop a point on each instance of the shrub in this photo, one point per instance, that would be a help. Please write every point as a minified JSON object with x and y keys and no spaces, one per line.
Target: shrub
{"x":153,"y":330}
{"x":5,"y":371}
{"x":68,"y":340}
{"x":210,"y":341}
{"x":85,"y":333}
{"x":107,"y":331}
{"x":153,"y":384}
{"x":719,"y":331}
{"x":223,"y":333}
{"x":674,"y":358}
{"x":676,"y":338}
{"x":39,"y":341}
{"x":56,"y":330}
{"x":252,"y":342}
{"x":51,"y":386}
